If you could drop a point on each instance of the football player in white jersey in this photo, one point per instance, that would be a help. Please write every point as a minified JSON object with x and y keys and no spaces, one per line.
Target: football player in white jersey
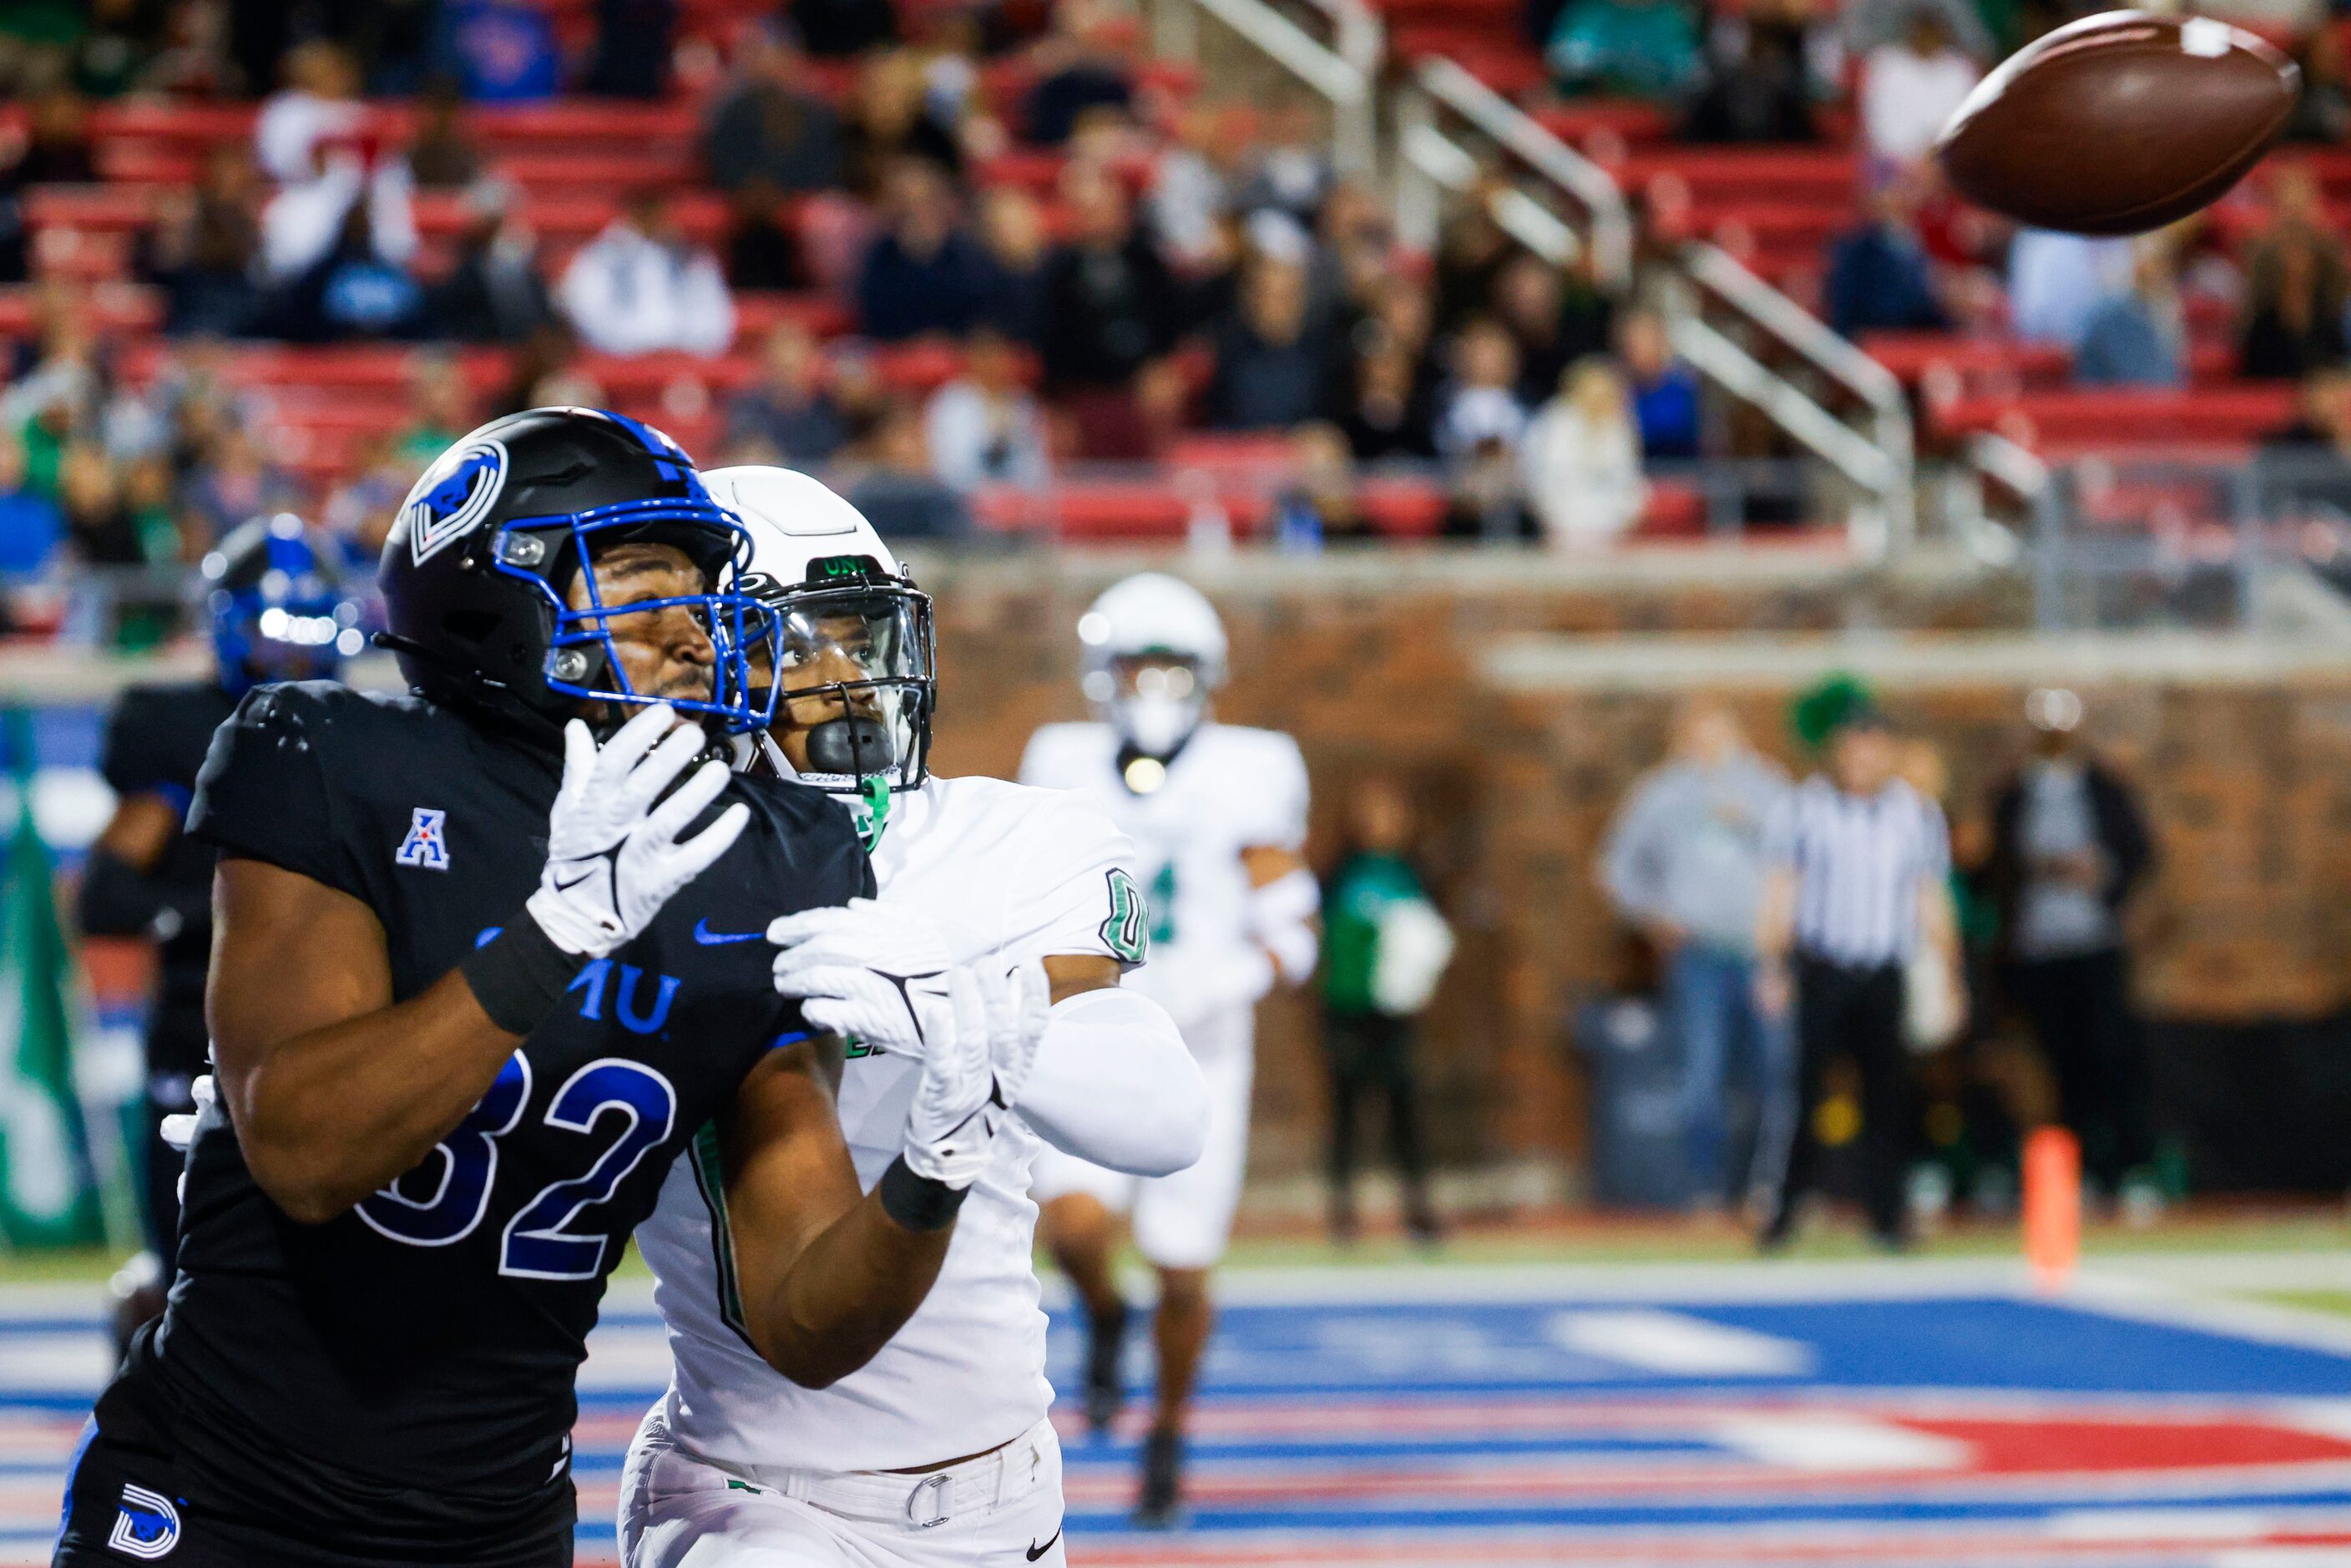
{"x":1218,"y":814}
{"x":938,"y":1451}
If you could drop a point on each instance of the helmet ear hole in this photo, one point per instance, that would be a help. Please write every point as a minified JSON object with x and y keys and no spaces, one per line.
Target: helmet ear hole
{"x":472,"y":625}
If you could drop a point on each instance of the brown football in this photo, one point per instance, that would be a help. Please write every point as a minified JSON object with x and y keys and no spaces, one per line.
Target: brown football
{"x":2119,"y":123}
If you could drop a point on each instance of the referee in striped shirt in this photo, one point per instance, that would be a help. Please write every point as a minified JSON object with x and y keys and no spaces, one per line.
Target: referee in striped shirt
{"x":1857,"y":878}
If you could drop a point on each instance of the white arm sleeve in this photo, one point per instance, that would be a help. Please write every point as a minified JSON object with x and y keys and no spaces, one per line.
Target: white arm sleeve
{"x":1114,"y":1084}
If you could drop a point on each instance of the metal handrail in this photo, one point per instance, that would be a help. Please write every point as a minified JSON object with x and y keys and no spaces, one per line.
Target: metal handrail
{"x":1592,"y":187}
{"x":1342,"y":73}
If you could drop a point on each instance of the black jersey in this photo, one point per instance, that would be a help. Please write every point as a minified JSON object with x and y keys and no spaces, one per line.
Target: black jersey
{"x":156,"y":740}
{"x":402,"y":1375}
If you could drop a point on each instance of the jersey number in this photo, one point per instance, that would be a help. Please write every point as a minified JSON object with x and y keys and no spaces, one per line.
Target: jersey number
{"x":1163,"y":905}
{"x":538,"y":1243}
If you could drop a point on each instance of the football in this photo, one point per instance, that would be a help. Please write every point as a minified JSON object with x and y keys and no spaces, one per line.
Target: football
{"x":2119,"y":123}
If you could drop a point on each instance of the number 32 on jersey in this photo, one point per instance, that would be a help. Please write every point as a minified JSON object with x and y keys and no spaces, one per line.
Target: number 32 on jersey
{"x":631,"y":1104}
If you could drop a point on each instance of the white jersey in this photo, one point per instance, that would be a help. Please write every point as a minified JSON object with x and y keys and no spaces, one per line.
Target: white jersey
{"x":1003,"y":869}
{"x":1230,"y":789}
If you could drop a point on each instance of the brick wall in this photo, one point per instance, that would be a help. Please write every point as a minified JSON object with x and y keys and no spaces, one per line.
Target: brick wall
{"x":1411,"y":666}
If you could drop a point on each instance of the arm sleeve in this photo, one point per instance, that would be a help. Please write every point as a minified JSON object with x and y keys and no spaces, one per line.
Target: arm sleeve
{"x":1273,"y":809}
{"x":1115,"y":1085}
{"x":262,"y":791}
{"x":1090,"y":901}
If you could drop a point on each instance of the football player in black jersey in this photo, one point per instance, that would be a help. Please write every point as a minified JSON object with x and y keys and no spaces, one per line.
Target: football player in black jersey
{"x":475,"y":980}
{"x":278,"y":611}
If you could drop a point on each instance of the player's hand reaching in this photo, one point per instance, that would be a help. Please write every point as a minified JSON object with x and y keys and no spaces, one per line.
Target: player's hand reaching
{"x":980,"y":1033}
{"x":853,"y":966}
{"x":613,"y":855}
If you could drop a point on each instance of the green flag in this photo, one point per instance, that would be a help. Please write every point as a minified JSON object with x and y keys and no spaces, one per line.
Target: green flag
{"x":47,"y":1196}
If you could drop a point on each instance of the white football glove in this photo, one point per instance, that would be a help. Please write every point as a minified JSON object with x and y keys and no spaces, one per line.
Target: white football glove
{"x":853,"y":966}
{"x":613,"y":857}
{"x":978,"y":1043}
{"x":179,"y":1129}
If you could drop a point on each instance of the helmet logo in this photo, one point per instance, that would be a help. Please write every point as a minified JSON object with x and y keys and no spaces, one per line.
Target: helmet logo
{"x":453,"y":497}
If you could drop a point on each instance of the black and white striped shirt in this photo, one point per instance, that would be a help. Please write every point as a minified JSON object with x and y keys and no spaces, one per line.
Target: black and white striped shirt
{"x":1859,"y":861}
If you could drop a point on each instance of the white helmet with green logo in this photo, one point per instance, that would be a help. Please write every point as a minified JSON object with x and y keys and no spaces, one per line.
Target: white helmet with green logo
{"x":851,"y":619}
{"x":1153,"y":651}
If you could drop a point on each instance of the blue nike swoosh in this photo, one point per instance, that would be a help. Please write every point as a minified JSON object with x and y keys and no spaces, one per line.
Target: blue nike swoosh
{"x":709,"y":938}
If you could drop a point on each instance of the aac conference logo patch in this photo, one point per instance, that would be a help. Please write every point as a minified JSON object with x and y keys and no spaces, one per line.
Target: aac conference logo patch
{"x":453,"y":497}
{"x":146,"y":1527}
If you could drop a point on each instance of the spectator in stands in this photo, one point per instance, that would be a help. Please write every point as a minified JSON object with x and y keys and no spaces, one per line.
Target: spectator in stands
{"x":1531,"y":302}
{"x":841,"y":29}
{"x":233,"y":482}
{"x":2070,"y":846}
{"x":442,"y":154}
{"x":1387,"y":411}
{"x":763,"y":250}
{"x":1471,"y":252}
{"x":771,"y":129}
{"x":1111,"y":310}
{"x":1272,"y":371}
{"x":313,"y":215}
{"x":1868,"y":25}
{"x":493,"y":294}
{"x":898,"y":492}
{"x":632,"y":48}
{"x":57,"y":144}
{"x":1482,"y":403}
{"x":984,"y":426}
{"x":924,"y":273}
{"x":1194,"y":181}
{"x":2135,"y":336}
{"x":358,"y":288}
{"x":359,"y":511}
{"x":1642,"y":48}
{"x":641,"y":286}
{"x":1012,"y":233}
{"x":1580,"y":459}
{"x":1484,"y":500}
{"x":119,"y":38}
{"x":1910,"y":88}
{"x":31,"y":524}
{"x":1758,"y":84}
{"x":207,"y":245}
{"x":2295,"y":286}
{"x":1079,"y":73}
{"x":1318,"y":506}
{"x":1664,"y":390}
{"x":2056,"y":282}
{"x":1878,"y":278}
{"x":1684,"y":865}
{"x":2322,"y":112}
{"x":441,"y":407}
{"x":99,"y":527}
{"x":1355,"y":254}
{"x":1293,"y":172}
{"x":891,"y":117}
{"x":503,"y":51}
{"x":546,"y":374}
{"x":789,"y":409}
{"x":319,"y":102}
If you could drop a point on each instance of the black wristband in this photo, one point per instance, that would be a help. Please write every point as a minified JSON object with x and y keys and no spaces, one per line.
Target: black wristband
{"x":916,"y":1202}
{"x":519,"y":975}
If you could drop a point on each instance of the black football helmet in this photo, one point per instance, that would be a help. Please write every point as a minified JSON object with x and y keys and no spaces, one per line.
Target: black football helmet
{"x":477,"y":569}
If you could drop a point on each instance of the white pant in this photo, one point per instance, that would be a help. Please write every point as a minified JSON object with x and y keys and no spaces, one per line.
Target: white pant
{"x":679,"y":1511}
{"x":1186,"y":1219}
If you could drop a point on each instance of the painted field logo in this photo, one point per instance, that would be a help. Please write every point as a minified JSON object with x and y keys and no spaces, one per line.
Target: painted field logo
{"x":146,"y":1527}
{"x":1127,"y":930}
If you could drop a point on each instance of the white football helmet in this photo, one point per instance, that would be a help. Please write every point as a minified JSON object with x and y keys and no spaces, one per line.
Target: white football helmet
{"x":852,"y":623}
{"x":1154,"y":652}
